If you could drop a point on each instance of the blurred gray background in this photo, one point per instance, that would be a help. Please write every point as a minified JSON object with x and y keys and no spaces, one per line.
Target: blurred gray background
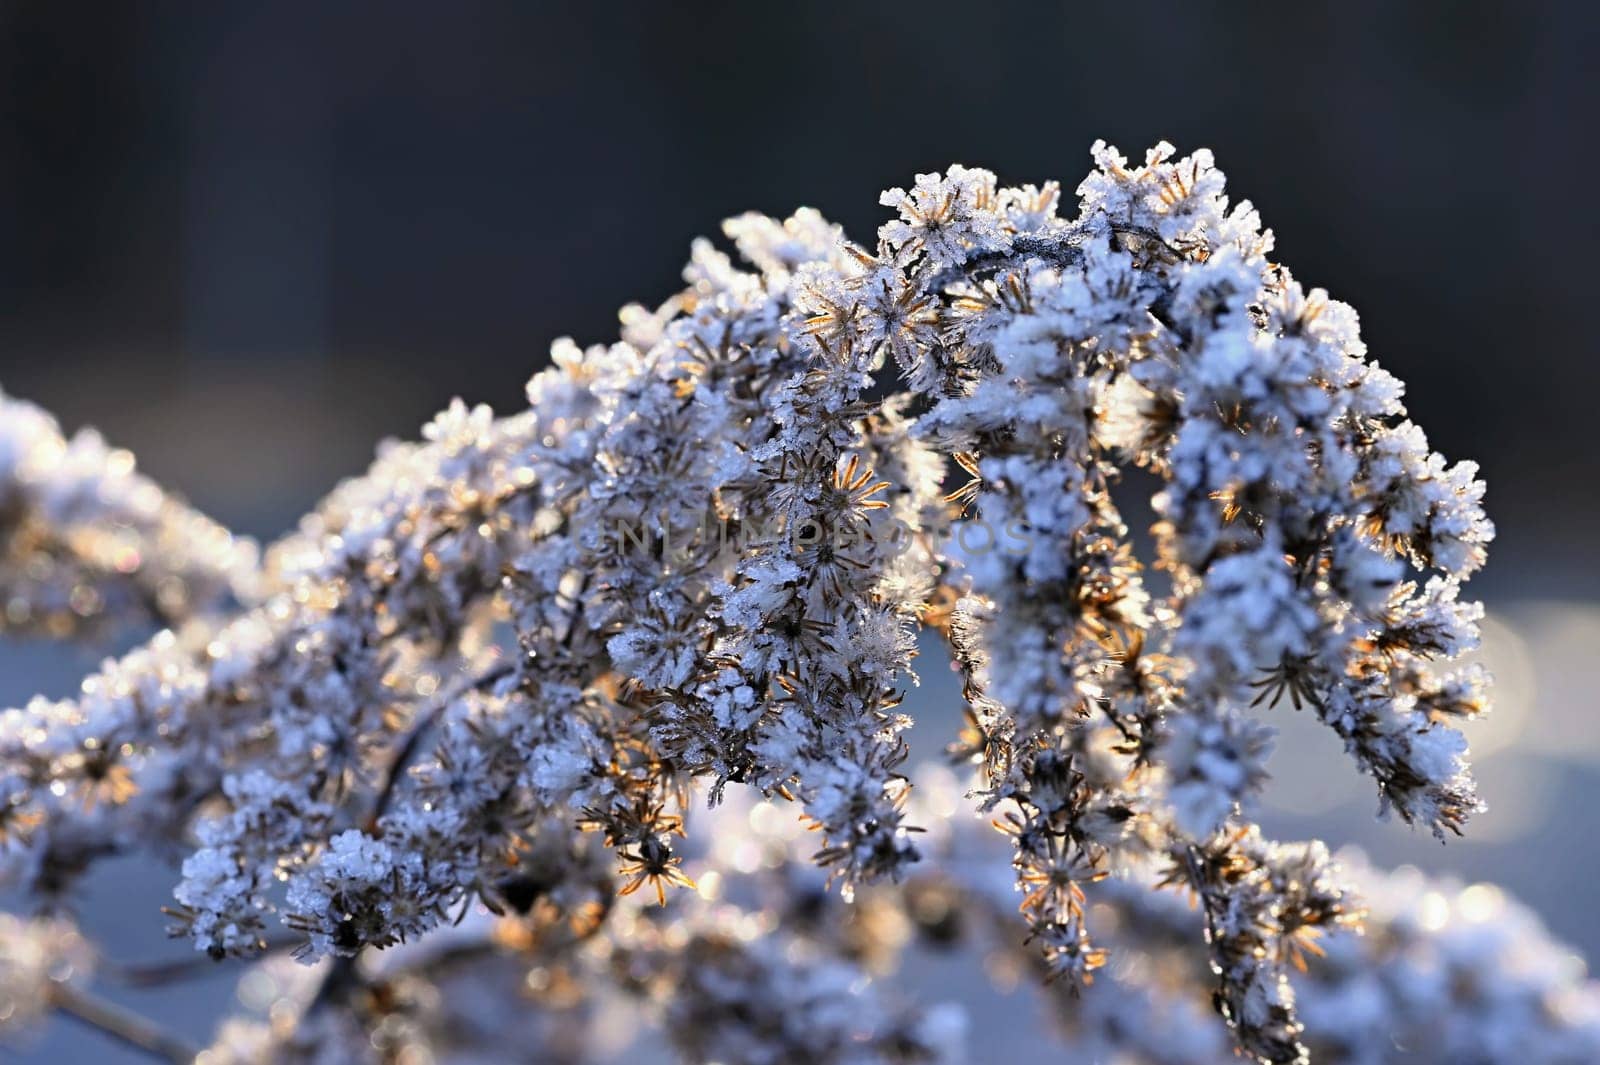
{"x":246,"y":240}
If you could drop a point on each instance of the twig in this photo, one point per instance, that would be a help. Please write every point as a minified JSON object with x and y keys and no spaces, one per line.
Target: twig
{"x":120,"y":1023}
{"x":340,"y":975}
{"x":1062,"y":251}
{"x":424,"y":722}
{"x":155,"y":974}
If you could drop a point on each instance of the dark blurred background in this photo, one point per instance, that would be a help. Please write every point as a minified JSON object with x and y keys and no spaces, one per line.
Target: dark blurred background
{"x":246,"y":240}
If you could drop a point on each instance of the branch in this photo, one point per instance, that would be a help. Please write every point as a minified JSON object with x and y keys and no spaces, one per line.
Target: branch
{"x":157,"y":974}
{"x":120,"y":1023}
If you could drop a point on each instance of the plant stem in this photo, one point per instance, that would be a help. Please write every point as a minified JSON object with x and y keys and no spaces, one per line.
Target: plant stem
{"x":155,"y":974}
{"x":120,"y":1023}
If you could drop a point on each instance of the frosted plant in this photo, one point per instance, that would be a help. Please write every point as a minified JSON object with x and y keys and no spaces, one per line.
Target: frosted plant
{"x":84,"y":539}
{"x":448,"y":742}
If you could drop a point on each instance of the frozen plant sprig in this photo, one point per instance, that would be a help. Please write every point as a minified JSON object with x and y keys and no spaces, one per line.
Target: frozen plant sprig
{"x":1437,"y":972}
{"x":704,"y":552}
{"x":755,"y":966}
{"x":1440,"y":974}
{"x":87,"y":541}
